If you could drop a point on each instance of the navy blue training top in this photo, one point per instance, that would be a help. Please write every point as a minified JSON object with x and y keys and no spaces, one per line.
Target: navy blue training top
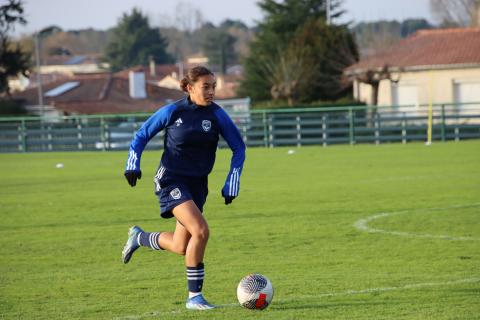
{"x":191,"y":140}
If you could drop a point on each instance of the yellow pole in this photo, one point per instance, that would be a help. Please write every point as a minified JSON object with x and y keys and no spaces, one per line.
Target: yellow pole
{"x":430,"y":108}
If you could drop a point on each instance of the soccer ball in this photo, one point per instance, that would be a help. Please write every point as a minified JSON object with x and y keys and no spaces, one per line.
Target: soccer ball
{"x":255,"y":291}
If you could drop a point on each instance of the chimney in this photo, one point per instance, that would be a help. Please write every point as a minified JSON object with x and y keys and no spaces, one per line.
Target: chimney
{"x":137,"y":87}
{"x":153,"y":70}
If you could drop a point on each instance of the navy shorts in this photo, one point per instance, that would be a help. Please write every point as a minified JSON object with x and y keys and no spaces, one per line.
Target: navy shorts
{"x":172,"y":190}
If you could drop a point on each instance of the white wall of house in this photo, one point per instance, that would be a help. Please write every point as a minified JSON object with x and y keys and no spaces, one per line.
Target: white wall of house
{"x":169,"y":82}
{"x":419,"y":87}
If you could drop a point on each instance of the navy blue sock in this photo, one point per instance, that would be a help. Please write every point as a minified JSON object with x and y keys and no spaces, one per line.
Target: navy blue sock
{"x":195,"y":277}
{"x":149,"y":240}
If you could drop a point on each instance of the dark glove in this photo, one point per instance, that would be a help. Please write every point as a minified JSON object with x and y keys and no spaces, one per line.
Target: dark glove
{"x":228,"y":199}
{"x":132,"y":176}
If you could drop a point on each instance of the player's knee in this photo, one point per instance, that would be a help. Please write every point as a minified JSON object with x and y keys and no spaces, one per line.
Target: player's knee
{"x":202,"y":233}
{"x":180,"y":249}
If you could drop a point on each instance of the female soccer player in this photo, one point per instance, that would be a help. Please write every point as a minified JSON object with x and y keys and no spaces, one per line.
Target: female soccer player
{"x":192,"y":127}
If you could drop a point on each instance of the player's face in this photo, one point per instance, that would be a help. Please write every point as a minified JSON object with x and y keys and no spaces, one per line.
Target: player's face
{"x":202,"y":91}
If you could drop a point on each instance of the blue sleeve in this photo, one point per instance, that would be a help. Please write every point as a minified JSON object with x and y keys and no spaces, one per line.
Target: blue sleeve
{"x":149,"y":129}
{"x":232,"y":136}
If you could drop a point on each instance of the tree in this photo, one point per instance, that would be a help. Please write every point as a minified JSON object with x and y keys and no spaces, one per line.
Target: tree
{"x":12,"y":59}
{"x":296,"y":55}
{"x":458,"y":13}
{"x":291,"y":71}
{"x":374,"y":77}
{"x":410,"y":26}
{"x":332,"y":49}
{"x":219,"y":48}
{"x":373,"y":37}
{"x":187,"y":17}
{"x":134,"y":42}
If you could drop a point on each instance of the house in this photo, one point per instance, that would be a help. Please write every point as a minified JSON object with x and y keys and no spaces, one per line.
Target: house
{"x":169,"y":76}
{"x":59,"y":67}
{"x":441,"y":66}
{"x":74,"y":64}
{"x":227,"y":86}
{"x":169,"y":82}
{"x":154,"y":72}
{"x":98,"y":94}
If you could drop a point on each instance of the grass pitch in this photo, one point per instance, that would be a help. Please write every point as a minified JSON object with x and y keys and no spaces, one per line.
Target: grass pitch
{"x":345,"y":232}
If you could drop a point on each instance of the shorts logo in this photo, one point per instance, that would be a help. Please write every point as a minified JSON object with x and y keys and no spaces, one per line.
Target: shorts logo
{"x":206,"y":125}
{"x":176,"y":194}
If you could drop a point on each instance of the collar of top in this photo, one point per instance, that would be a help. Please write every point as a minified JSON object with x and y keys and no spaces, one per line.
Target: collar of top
{"x":192,"y":105}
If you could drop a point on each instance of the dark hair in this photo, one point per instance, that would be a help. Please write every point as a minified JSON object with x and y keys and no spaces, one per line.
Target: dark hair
{"x":193,"y":75}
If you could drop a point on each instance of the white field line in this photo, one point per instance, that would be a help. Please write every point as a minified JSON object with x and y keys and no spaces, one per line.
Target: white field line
{"x":405,"y":287}
{"x":362,"y":224}
{"x":321,"y":295}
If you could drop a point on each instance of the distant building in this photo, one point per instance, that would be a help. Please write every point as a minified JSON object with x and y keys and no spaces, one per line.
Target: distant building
{"x":74,"y":64}
{"x":169,"y":82}
{"x":437,"y":65}
{"x":227,"y":86}
{"x":55,"y":68}
{"x":98,"y":93}
{"x":154,"y":72}
{"x":197,"y":59}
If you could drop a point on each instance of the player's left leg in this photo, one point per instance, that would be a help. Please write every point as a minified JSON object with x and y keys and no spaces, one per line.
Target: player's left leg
{"x":189,"y":216}
{"x":136,"y":238}
{"x":177,"y":241}
{"x":132,"y":243}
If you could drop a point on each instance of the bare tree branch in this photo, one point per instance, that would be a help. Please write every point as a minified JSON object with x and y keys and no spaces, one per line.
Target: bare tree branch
{"x":461,"y":13}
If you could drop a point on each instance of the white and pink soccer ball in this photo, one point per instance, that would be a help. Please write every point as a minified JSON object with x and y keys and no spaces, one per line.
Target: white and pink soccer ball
{"x":255,"y":291}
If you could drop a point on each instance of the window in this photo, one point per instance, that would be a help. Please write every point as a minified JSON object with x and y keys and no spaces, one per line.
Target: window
{"x":466,"y":91}
{"x":404,"y":94}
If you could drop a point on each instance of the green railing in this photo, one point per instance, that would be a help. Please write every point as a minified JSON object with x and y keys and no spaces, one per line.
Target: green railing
{"x":267,"y":128}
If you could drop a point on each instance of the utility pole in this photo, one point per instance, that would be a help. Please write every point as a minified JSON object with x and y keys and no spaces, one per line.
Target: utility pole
{"x":180,"y":69}
{"x":39,"y":76}
{"x":327,"y":4}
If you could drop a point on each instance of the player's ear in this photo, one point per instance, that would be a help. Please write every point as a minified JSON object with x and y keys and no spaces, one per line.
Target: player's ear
{"x":190,"y":88}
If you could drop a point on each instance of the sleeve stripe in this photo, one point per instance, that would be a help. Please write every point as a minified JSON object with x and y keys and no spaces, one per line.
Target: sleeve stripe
{"x":234,"y":182}
{"x":132,"y":158}
{"x":230,"y":185}
{"x":129,"y":160}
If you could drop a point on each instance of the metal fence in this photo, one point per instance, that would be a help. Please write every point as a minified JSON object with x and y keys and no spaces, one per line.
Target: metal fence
{"x":266,"y":128}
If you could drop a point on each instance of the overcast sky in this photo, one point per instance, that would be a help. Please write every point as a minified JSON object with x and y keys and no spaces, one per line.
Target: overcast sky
{"x":103,"y":14}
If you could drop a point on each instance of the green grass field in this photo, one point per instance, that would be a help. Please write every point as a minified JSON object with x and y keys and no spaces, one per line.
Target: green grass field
{"x":344,"y":232}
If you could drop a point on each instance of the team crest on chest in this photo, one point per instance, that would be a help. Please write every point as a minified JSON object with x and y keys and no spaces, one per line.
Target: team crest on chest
{"x":206,"y":125}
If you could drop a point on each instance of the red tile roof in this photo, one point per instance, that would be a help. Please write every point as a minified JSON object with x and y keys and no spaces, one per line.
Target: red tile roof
{"x":426,"y":49}
{"x":101,"y":93}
